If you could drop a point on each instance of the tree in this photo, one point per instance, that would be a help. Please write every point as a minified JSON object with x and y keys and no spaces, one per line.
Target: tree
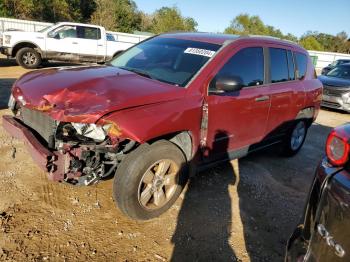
{"x":105,"y":14}
{"x":169,"y":19}
{"x":146,"y":22}
{"x":128,"y":17}
{"x":117,"y":15}
{"x":311,"y":43}
{"x":21,"y":9}
{"x":245,"y":24}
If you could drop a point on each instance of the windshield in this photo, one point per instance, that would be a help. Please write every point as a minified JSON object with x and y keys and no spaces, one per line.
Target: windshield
{"x":168,"y":60}
{"x":340,"y":71}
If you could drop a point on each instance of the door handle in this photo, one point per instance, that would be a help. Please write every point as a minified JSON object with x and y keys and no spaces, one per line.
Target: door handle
{"x":99,"y":45}
{"x":262,"y":98}
{"x":74,"y":43}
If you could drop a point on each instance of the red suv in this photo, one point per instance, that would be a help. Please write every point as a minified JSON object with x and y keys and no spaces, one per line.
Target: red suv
{"x":163,"y":107}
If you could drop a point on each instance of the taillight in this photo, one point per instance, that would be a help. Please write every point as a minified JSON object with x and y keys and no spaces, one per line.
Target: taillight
{"x":338,"y":146}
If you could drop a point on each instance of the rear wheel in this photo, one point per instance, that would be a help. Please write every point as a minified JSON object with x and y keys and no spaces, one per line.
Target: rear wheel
{"x":149,"y":180}
{"x":295,"y":139}
{"x":28,"y":58}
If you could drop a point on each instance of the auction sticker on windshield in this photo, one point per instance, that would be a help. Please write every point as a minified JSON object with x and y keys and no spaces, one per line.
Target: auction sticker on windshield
{"x":198,"y":51}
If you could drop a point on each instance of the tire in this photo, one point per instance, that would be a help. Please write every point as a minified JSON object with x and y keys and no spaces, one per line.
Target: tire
{"x":28,"y":58}
{"x":295,"y":139}
{"x":142,"y":200}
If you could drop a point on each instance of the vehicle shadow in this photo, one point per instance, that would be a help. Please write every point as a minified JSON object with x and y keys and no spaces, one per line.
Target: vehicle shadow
{"x":11,"y":62}
{"x":5,"y":91}
{"x":4,"y":62}
{"x":204,"y":222}
{"x":270,"y":192}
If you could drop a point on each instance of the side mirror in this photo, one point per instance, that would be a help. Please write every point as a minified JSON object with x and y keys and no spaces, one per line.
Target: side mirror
{"x":223,"y":84}
{"x":53,"y":34}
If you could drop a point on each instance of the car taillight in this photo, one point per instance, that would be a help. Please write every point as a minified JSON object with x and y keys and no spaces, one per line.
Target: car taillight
{"x":338,"y":146}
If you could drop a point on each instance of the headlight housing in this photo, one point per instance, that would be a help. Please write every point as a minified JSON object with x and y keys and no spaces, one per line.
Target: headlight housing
{"x":93,"y":131}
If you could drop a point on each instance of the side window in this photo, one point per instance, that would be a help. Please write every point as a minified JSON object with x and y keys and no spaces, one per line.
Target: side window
{"x":278,"y":65}
{"x":247,"y":65}
{"x":66,"y":32}
{"x":110,"y":37}
{"x":91,"y":33}
{"x":301,"y":61}
{"x":291,"y":65}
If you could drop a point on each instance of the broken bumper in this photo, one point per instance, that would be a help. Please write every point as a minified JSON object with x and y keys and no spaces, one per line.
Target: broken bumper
{"x":51,"y":162}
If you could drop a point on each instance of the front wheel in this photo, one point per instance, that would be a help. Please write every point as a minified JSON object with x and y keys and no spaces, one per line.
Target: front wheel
{"x":295,"y":139}
{"x":149,"y":180}
{"x":28,"y":58}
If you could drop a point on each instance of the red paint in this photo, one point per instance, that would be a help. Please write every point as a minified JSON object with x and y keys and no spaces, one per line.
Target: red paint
{"x":145,"y":109}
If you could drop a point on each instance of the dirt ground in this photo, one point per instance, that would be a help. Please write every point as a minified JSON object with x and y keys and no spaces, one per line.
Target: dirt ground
{"x":243,"y":210}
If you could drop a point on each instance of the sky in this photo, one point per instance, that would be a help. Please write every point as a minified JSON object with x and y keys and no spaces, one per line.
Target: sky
{"x":296,"y":17}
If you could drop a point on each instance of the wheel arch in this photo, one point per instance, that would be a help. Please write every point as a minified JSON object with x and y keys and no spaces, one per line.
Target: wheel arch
{"x":307,"y":114}
{"x":21,"y":45}
{"x":182,"y":139}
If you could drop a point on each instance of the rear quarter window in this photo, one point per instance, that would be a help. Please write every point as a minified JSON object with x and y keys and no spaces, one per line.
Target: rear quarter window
{"x":301,"y":62}
{"x":91,"y":33}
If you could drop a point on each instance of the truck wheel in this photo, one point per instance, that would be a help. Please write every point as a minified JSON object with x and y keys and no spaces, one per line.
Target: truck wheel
{"x":295,"y":139}
{"x":28,"y":58}
{"x":149,"y":180}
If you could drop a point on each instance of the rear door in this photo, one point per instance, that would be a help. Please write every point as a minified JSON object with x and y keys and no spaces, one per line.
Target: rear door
{"x":287,"y":92}
{"x":238,"y":119}
{"x":331,"y":238}
{"x":89,"y":39}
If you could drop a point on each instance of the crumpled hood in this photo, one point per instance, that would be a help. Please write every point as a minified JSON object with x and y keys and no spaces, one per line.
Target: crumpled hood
{"x":85,"y":94}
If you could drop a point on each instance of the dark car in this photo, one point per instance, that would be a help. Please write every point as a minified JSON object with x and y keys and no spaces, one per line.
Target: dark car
{"x":338,"y":62}
{"x":336,"y":88}
{"x":324,"y":232}
{"x":169,"y":101}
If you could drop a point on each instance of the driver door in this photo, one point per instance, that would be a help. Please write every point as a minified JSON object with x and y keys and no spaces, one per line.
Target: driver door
{"x":62,"y":44}
{"x":238,"y":119}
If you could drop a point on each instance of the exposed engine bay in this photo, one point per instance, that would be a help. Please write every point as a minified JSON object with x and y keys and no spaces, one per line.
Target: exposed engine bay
{"x":83,"y":153}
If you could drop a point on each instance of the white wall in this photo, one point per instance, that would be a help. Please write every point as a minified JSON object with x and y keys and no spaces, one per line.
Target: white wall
{"x":325,"y":58}
{"x":24,"y":25}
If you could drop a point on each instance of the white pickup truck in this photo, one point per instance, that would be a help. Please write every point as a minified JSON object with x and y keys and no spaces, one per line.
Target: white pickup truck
{"x":65,"y":41}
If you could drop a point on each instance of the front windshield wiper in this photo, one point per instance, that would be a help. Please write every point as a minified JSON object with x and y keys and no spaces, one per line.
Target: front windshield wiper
{"x":137,"y":71}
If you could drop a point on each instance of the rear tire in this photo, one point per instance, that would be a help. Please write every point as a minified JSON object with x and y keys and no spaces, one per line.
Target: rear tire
{"x":149,"y":180}
{"x":295,"y":138}
{"x":28,"y":58}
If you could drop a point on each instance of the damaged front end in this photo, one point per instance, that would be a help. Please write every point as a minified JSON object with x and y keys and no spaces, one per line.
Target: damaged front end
{"x":76,"y":153}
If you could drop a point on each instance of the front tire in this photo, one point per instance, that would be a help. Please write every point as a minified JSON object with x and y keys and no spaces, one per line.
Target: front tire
{"x":149,"y":180}
{"x":28,"y":58}
{"x":295,"y":139}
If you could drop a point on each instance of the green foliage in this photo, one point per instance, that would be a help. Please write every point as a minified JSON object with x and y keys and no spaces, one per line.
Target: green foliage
{"x":169,"y":19}
{"x":128,"y":18}
{"x":311,"y":43}
{"x":48,"y":10}
{"x":117,"y":15}
{"x":339,"y":43}
{"x":245,"y":24}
